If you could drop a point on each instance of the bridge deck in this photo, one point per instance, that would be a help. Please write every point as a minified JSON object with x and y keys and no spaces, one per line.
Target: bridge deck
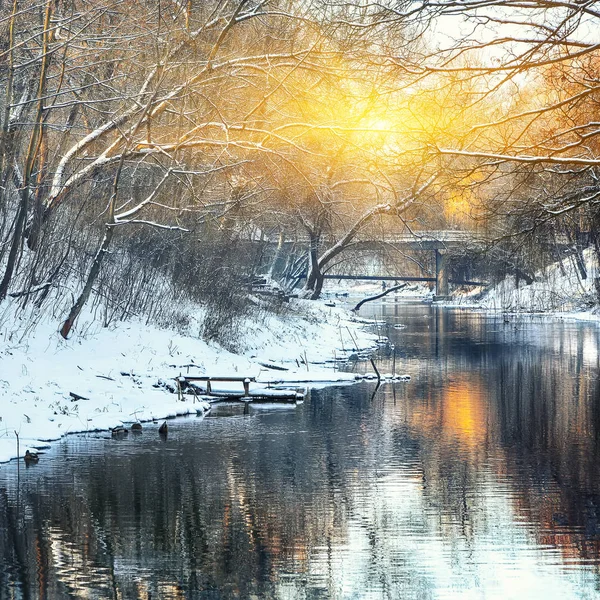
{"x":404,"y":278}
{"x":421,"y":239}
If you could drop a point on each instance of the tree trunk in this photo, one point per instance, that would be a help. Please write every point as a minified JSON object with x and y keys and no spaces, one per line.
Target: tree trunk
{"x":15,"y":244}
{"x":109,"y":231}
{"x":314,"y":268}
{"x":318,"y":285}
{"x":394,"y":288}
{"x":91,"y":279}
{"x":315,"y":278}
{"x":576,"y":247}
{"x":278,"y":253}
{"x":32,"y":154}
{"x":6,"y":152}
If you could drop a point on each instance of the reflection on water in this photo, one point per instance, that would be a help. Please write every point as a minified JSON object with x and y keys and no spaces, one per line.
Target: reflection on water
{"x":477,"y":479}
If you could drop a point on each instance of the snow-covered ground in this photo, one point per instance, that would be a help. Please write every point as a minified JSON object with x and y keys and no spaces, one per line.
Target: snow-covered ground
{"x":559,"y":288}
{"x":121,"y":374}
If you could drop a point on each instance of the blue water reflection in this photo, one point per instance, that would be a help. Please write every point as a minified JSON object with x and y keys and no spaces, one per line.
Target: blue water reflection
{"x":479,"y":478}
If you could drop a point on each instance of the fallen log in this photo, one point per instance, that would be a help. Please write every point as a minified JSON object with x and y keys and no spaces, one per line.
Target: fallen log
{"x":273,"y":367}
{"x":376,"y":297}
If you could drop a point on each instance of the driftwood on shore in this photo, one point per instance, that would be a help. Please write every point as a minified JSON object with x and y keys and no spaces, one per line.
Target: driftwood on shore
{"x":272,"y":366}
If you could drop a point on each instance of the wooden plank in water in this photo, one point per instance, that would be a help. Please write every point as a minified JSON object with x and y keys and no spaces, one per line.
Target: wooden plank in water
{"x":259,"y":394}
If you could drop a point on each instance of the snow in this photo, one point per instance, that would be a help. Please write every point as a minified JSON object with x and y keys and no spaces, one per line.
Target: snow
{"x":558,"y":290}
{"x":121,"y":373}
{"x":554,"y":289}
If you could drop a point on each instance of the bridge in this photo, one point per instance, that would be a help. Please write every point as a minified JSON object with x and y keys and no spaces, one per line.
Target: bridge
{"x":441,"y":279}
{"x":447,"y":239}
{"x":440,"y":242}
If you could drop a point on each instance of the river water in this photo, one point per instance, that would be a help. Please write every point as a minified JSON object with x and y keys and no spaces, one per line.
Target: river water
{"x":479,"y":478}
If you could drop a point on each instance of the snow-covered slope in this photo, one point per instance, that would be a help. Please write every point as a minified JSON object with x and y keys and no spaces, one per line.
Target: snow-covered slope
{"x":559,"y":287}
{"x":120,"y":372}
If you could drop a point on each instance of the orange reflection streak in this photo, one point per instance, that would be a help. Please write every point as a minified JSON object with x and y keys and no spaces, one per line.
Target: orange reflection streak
{"x":459,"y":416}
{"x":464,"y":414}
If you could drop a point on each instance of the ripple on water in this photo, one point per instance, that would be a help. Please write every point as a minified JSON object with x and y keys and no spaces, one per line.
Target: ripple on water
{"x":476,"y":479}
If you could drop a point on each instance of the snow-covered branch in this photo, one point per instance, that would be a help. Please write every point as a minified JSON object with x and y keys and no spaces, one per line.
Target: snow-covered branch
{"x":517,"y":158}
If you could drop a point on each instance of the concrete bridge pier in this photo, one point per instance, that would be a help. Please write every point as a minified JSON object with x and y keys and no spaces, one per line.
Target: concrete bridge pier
{"x":441,"y":276}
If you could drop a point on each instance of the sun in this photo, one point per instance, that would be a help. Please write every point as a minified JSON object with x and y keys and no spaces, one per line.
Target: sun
{"x":376,"y":133}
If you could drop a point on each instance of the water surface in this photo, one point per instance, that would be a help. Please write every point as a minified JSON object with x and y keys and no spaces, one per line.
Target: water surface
{"x":479,"y":478}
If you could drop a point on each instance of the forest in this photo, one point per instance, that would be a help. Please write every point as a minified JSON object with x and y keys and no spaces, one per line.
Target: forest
{"x":155,"y":152}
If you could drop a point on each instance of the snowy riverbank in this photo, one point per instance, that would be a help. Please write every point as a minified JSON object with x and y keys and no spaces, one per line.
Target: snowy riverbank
{"x":559,"y":290}
{"x":122,"y":372}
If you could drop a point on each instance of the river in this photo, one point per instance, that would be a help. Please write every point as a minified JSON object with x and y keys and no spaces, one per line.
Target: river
{"x":479,"y":478}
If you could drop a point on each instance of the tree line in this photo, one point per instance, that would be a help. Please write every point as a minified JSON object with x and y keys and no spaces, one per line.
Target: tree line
{"x":142,"y":142}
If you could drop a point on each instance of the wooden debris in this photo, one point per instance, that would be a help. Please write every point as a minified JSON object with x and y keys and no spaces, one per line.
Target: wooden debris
{"x":273,"y":367}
